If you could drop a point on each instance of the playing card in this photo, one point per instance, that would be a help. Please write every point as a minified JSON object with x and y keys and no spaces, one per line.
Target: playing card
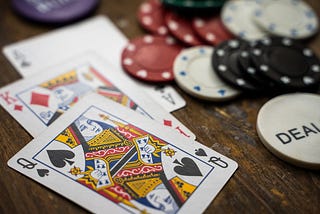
{"x":166,"y":96}
{"x":104,"y":157}
{"x":97,"y":34}
{"x":37,"y":101}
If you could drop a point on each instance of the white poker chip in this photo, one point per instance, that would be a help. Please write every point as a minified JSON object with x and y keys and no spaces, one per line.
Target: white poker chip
{"x":289,"y":126}
{"x":288,"y":18}
{"x":194,"y":74}
{"x":237,"y":17}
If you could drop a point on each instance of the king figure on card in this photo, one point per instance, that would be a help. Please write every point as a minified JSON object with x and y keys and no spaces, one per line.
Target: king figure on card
{"x":52,"y":98}
{"x":43,"y":98}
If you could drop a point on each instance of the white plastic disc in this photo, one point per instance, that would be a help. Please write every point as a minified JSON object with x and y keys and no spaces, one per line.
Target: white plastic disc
{"x":194,"y":74}
{"x":288,"y":18}
{"x":237,"y":17}
{"x":289,"y":126}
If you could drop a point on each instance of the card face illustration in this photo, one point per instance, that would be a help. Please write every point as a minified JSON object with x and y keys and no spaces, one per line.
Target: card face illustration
{"x":104,"y":156}
{"x":40,"y":99}
{"x":48,"y":100}
{"x":96,"y":34}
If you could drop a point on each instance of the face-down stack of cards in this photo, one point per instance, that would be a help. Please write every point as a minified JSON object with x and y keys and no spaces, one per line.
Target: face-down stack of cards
{"x":102,"y":142}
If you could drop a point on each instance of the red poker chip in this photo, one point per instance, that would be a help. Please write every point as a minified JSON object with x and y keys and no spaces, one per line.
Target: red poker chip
{"x":211,"y":30}
{"x":151,"y":17}
{"x":181,"y":28}
{"x":150,"y":58}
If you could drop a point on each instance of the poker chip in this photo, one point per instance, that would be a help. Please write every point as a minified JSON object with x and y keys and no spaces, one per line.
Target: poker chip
{"x":287,"y":63}
{"x":193,"y":6}
{"x":289,"y":126}
{"x":150,"y":58}
{"x":225,"y":63}
{"x":181,"y":29}
{"x":194,"y":74}
{"x":252,"y":73}
{"x":287,"y":18}
{"x":151,"y":17}
{"x":54,"y":12}
{"x":211,"y":29}
{"x":237,"y":17}
{"x":195,"y":3}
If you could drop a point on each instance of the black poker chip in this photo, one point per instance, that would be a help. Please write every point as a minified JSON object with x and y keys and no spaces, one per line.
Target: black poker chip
{"x":225,"y":63}
{"x":287,"y":63}
{"x":252,"y":73}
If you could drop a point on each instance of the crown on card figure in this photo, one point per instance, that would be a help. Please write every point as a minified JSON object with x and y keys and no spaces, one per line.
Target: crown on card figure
{"x":64,"y":79}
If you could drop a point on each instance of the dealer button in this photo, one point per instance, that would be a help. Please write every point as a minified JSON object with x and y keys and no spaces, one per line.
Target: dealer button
{"x":289,"y":126}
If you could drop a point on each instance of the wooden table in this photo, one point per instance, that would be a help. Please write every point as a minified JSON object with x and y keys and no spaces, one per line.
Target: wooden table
{"x":262,"y":184}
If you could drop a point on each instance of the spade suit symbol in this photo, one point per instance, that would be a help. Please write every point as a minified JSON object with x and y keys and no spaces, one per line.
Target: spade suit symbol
{"x":59,"y":158}
{"x":43,"y":172}
{"x":187,"y":167}
{"x":200,"y":152}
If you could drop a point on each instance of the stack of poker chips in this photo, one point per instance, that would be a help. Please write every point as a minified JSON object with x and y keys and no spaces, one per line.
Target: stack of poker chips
{"x":224,"y":48}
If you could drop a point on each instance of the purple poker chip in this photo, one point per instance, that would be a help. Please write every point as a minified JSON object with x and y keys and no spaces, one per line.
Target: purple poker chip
{"x":54,"y":11}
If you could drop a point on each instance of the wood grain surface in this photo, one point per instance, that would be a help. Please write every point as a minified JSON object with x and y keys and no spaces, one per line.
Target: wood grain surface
{"x":262,"y":184}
